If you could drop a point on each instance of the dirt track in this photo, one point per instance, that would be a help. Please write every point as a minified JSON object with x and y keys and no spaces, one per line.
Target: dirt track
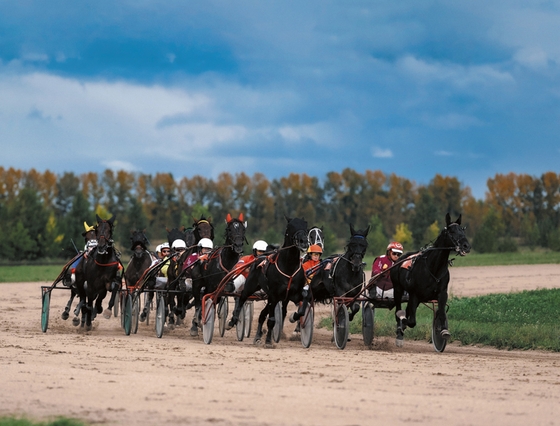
{"x":106,"y":377}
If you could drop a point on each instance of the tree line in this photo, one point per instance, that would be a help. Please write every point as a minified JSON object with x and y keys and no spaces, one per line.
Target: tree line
{"x":42,"y":214}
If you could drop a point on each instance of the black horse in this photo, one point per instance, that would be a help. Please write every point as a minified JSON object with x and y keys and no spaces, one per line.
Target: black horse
{"x":99,"y":273}
{"x":425,"y":276}
{"x":177,"y":304}
{"x":207,"y":275}
{"x":342,"y":275}
{"x":140,"y":260}
{"x":70,"y":276}
{"x":281,"y":277}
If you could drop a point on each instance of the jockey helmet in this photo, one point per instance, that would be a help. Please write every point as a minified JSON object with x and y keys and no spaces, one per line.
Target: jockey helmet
{"x":315,"y":248}
{"x":260,"y":245}
{"x":206,"y":243}
{"x":179,"y":244}
{"x":395,"y":246}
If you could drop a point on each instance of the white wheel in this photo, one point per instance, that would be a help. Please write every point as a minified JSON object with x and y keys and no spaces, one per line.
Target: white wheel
{"x":222,"y":314}
{"x":340,"y":329}
{"x":160,"y":315}
{"x":278,"y":325}
{"x":306,"y":326}
{"x":249,"y":310}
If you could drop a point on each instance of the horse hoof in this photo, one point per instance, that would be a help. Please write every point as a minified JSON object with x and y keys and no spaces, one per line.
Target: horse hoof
{"x":194,"y":332}
{"x":107,"y":313}
{"x":171,"y":326}
{"x":88,"y":327}
{"x":143,"y":317}
{"x":401,"y":314}
{"x":65,"y":316}
{"x":399,"y":343}
{"x":268,"y":346}
{"x":292,"y":319}
{"x":445,"y":334}
{"x":75,"y":321}
{"x":179,"y":321}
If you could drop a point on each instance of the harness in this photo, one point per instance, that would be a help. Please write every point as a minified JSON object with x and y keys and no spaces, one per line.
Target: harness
{"x":273,"y":260}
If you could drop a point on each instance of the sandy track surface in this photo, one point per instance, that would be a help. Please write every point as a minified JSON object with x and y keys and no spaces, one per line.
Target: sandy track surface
{"x":106,"y":377}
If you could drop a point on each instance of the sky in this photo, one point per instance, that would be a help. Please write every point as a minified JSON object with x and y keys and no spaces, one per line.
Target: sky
{"x":467,"y":89}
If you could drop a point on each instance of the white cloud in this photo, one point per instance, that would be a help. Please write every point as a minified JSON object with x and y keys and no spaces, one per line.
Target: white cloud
{"x":458,"y":75}
{"x":117,"y":165}
{"x":444,"y":153}
{"x":378,"y":152}
{"x":451,"y":121}
{"x":532,"y":57}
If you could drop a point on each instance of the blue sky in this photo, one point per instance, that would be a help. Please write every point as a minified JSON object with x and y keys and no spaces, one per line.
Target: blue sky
{"x":460,"y":88}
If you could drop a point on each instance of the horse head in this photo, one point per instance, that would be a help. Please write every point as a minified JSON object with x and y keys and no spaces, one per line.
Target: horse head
{"x":190,"y":238}
{"x":104,"y":234}
{"x":356,"y":247}
{"x":138,"y":243}
{"x":296,"y":233}
{"x":453,"y":236}
{"x":176,"y":234}
{"x":315,"y":237}
{"x":203,"y":228}
{"x":235,"y":232}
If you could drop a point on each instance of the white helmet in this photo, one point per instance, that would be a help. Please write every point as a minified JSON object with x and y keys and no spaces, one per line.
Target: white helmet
{"x":158,"y":248}
{"x":178,"y":244}
{"x":260,"y":245}
{"x":164,"y":246}
{"x":206,"y":243}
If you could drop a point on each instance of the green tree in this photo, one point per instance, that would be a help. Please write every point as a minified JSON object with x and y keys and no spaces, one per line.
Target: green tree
{"x":403,"y":235}
{"x":487,"y":237}
{"x":376,"y":238}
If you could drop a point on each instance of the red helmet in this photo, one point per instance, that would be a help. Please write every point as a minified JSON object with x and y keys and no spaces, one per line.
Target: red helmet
{"x":395,"y":246}
{"x":315,"y":248}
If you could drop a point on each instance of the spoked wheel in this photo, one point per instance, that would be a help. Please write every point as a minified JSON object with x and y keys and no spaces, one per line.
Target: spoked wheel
{"x":127,"y":314}
{"x":368,"y":318}
{"x":341,"y":325}
{"x":208,"y":321}
{"x":438,"y":340}
{"x":279,"y":324}
{"x":222,"y":314}
{"x":160,"y":315}
{"x":306,"y":326}
{"x":116,"y":306}
{"x":121,"y":302}
{"x":45,"y":311}
{"x":248,"y":312}
{"x":240,"y":324}
{"x":135,"y":312}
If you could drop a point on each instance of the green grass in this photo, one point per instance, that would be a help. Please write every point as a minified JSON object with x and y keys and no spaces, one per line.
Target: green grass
{"x":19,"y":421}
{"x":29,"y":273}
{"x":526,"y":320}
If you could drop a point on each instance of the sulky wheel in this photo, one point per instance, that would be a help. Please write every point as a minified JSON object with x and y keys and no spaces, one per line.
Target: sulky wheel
{"x":248,"y":312}
{"x":127,"y":314}
{"x":160,"y":314}
{"x":45,"y":311}
{"x":135,"y":312}
{"x":222,"y":314}
{"x":240,"y":325}
{"x":208,"y":321}
{"x":438,"y":340}
{"x":341,"y":327}
{"x":306,"y":326}
{"x":279,"y":324}
{"x":368,"y":318}
{"x":116,"y":306}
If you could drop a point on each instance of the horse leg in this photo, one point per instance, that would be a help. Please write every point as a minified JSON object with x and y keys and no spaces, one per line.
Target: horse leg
{"x":250,"y":287}
{"x":66,"y":312}
{"x":441,"y":315}
{"x":354,"y":309}
{"x":109,"y":311}
{"x":149,"y":299}
{"x":400,"y":316}
{"x":262,"y":318}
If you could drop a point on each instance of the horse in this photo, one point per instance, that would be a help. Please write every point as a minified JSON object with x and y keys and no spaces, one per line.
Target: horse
{"x":425,"y":276}
{"x":281,"y":277}
{"x":98,"y":273}
{"x":342,"y":275}
{"x":201,"y":228}
{"x":140,"y":260}
{"x":70,"y":275}
{"x":208,"y":275}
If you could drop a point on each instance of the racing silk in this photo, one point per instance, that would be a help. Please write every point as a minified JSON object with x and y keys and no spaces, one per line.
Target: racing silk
{"x":380,"y":264}
{"x":242,"y":261}
{"x":163,"y":270}
{"x":189,"y":262}
{"x":308,"y":264}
